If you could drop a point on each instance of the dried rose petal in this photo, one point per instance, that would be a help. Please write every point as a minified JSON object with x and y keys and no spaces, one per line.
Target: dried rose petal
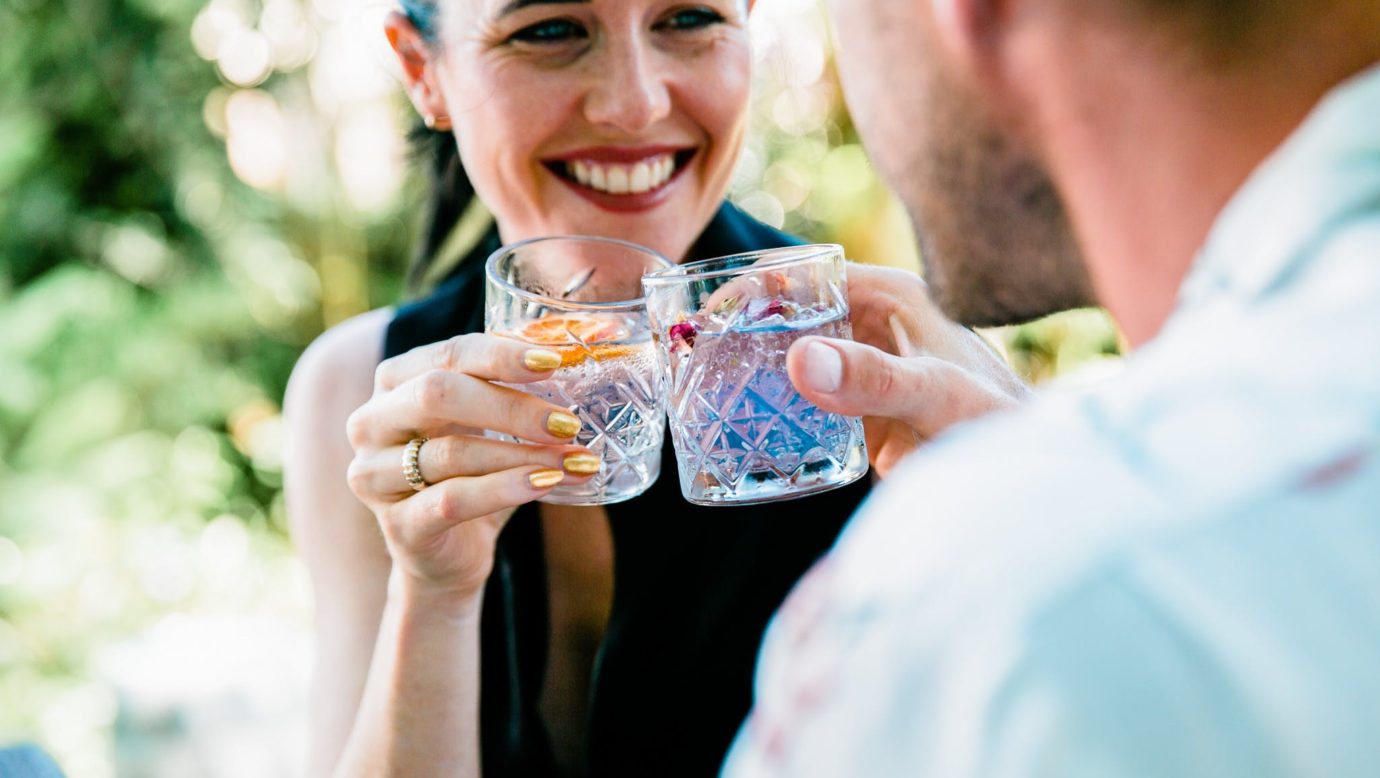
{"x":783,"y":308}
{"x":684,"y":333}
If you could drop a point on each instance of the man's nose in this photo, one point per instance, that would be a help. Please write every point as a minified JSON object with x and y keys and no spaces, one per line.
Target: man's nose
{"x":631,"y":93}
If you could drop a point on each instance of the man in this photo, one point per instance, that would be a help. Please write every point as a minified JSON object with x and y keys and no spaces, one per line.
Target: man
{"x":1175,"y":573}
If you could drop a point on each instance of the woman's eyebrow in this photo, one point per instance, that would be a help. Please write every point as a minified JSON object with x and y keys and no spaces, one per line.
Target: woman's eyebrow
{"x":518,"y":5}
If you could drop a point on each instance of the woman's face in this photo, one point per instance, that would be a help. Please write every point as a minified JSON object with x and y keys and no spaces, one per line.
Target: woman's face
{"x":621,"y":118}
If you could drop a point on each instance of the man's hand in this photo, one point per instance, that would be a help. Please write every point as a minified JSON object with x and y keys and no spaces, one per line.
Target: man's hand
{"x":911,"y":373}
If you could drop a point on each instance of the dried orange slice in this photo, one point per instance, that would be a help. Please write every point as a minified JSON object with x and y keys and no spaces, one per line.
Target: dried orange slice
{"x":577,"y":338}
{"x":574,"y":355}
{"x":560,"y":329}
{"x":599,"y":353}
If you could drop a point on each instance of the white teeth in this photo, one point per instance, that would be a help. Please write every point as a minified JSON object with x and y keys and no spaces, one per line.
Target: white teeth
{"x":641,"y":179}
{"x":645,"y":176}
{"x":618,"y":180}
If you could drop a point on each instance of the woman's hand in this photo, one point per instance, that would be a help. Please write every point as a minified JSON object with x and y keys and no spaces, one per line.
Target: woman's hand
{"x":910,"y":372}
{"x":442,"y":538}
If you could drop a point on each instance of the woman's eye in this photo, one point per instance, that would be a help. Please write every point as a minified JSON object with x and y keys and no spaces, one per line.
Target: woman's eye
{"x":691,"y":19}
{"x":550,"y":31}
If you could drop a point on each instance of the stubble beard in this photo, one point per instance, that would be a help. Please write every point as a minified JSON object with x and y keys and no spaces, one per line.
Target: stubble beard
{"x":993,"y":231}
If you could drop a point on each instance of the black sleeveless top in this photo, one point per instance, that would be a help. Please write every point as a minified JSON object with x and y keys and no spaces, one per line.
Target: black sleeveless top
{"x":694,"y":587}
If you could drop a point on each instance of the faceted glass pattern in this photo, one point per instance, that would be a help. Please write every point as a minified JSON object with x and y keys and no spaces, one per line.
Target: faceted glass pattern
{"x":581,"y":297}
{"x":742,"y":433}
{"x":746,"y":435}
{"x":618,"y":402}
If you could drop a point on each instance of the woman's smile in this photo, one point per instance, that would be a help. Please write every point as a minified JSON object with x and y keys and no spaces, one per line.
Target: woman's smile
{"x":623,"y":178}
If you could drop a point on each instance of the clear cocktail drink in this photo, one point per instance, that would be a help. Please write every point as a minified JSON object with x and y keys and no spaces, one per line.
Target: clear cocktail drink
{"x":580,"y":297}
{"x":742,"y":433}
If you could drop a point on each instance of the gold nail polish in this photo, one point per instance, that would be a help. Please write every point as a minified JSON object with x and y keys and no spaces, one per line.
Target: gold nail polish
{"x":562,"y":425}
{"x":545,"y":479}
{"x":541,"y":359}
{"x":581,"y":464}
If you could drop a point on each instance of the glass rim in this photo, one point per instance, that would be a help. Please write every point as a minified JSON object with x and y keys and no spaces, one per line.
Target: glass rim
{"x":491,"y":273}
{"x":789,"y":256}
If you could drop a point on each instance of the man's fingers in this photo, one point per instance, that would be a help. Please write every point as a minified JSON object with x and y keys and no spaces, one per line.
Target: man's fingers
{"x":851,"y":378}
{"x":779,"y":283}
{"x":888,"y":442}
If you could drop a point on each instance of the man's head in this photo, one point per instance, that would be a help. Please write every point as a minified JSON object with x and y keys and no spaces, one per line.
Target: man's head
{"x":983,"y":115}
{"x":992,"y":228}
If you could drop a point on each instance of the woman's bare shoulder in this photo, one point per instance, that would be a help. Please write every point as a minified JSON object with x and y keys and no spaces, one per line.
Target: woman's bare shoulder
{"x":333,"y":377}
{"x":346,"y":355}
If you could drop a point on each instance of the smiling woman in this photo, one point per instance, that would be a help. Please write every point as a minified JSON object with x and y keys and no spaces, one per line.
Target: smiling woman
{"x":480,"y":632}
{"x":647,"y":99}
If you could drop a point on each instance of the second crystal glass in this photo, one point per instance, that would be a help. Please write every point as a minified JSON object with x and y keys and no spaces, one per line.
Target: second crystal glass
{"x":582,"y":298}
{"x":742,"y":433}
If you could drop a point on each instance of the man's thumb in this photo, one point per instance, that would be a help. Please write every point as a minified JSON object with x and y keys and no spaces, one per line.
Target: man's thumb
{"x":841,"y":376}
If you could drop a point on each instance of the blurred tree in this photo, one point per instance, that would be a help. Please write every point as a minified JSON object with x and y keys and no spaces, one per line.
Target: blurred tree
{"x":152,"y":303}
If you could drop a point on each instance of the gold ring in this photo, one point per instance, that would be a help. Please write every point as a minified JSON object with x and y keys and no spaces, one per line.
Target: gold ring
{"x":412,"y":471}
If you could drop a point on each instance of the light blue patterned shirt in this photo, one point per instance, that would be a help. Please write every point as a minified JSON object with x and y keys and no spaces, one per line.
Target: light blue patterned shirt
{"x":1175,"y":573}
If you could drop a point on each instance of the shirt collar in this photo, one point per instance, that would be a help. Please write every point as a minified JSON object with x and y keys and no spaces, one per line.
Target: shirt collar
{"x":1327,"y":169}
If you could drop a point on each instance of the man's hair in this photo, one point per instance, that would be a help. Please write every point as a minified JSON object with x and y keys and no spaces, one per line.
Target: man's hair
{"x":1221,"y":32}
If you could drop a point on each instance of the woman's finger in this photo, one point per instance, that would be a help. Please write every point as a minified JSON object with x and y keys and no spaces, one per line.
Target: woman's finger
{"x":481,"y":355}
{"x":440,"y":398}
{"x":423,"y":516}
{"x":379,"y":473}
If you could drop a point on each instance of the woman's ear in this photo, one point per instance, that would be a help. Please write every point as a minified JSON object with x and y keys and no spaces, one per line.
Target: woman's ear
{"x":418,"y":65}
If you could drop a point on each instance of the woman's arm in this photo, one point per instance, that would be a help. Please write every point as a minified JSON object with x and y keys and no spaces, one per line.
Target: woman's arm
{"x":420,"y":712}
{"x":335,"y":534}
{"x":396,"y":684}
{"x":420,"y":561}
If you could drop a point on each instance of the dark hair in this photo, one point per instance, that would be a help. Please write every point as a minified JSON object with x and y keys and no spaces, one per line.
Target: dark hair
{"x":449,"y":190}
{"x":422,"y":14}
{"x":1224,"y":32}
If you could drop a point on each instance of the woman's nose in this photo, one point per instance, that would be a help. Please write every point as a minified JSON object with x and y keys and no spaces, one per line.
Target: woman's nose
{"x":630,"y":92}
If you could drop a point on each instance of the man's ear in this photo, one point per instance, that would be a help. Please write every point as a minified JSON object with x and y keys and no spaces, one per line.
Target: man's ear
{"x":418,"y":65}
{"x":967,"y":28}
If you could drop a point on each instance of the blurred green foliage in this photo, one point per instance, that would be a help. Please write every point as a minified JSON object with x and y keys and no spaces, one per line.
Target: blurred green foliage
{"x":189,"y":193}
{"x":151,"y":308}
